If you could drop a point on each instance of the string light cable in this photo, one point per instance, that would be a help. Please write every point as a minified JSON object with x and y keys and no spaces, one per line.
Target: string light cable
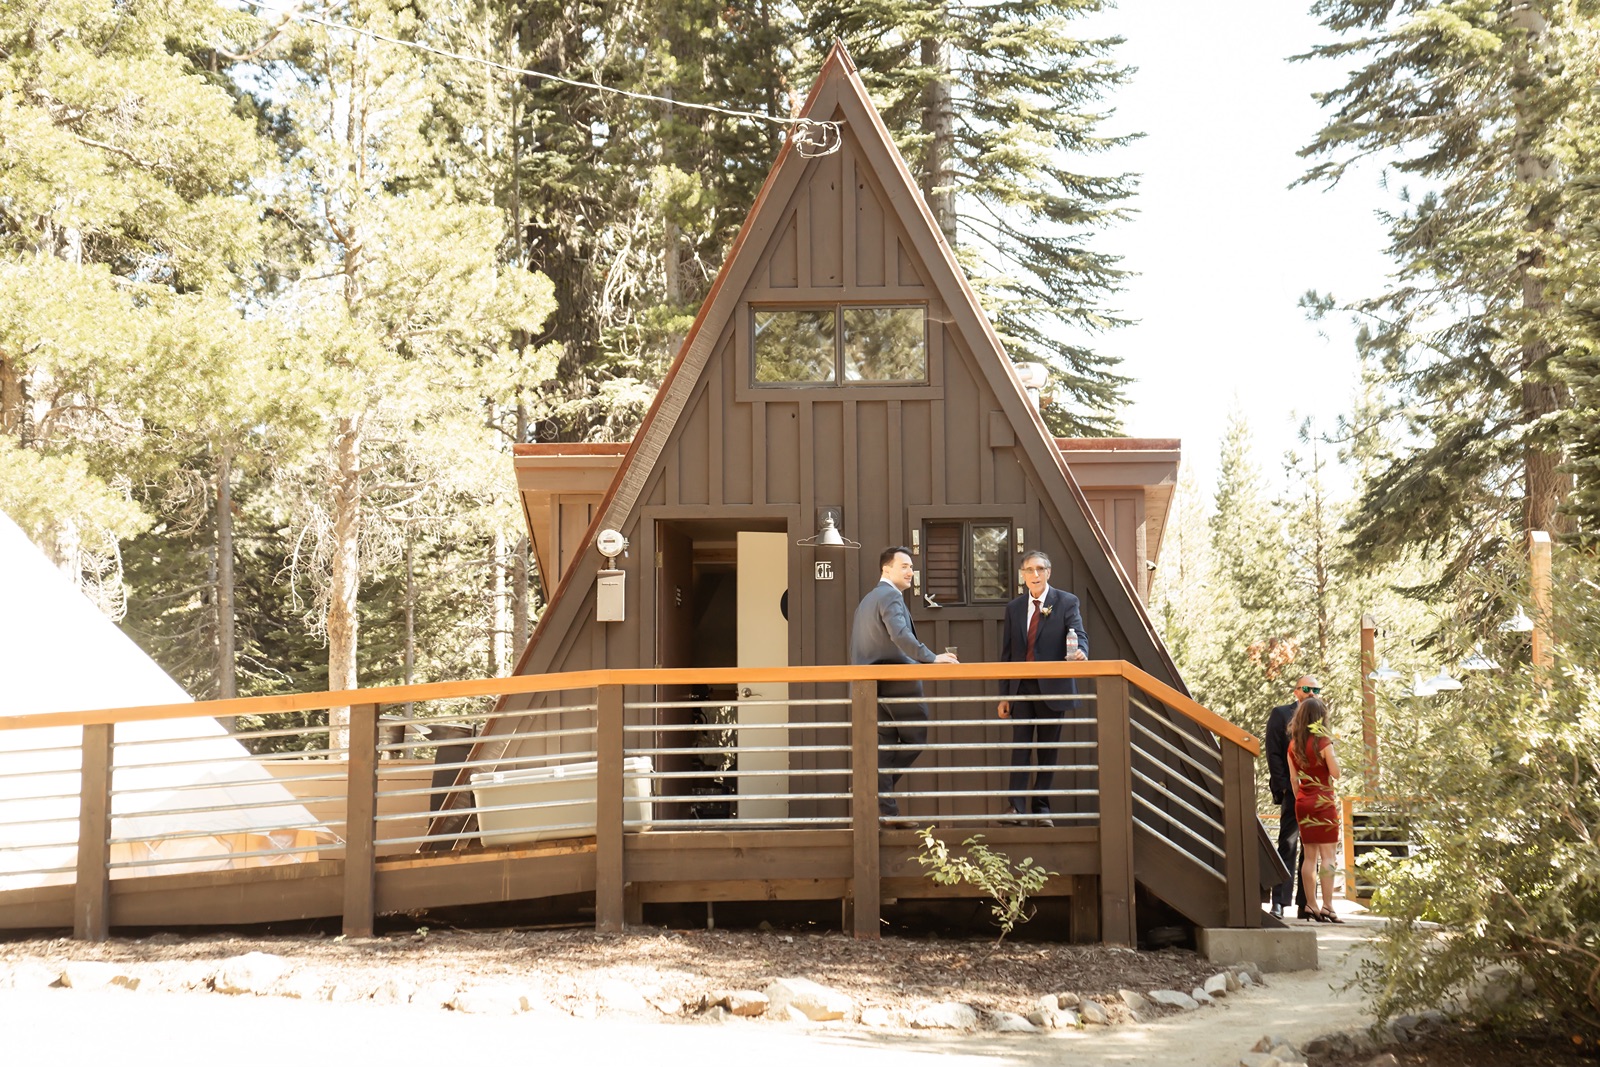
{"x":810,"y":137}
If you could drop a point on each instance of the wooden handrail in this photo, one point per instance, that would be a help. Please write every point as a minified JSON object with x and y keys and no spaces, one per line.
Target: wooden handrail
{"x":1189,"y":708}
{"x":546,"y":683}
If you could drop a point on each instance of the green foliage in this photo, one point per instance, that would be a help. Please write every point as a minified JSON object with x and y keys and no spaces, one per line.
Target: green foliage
{"x":1501,"y":788}
{"x":998,"y":110}
{"x":1486,"y":108}
{"x":1007,"y":885}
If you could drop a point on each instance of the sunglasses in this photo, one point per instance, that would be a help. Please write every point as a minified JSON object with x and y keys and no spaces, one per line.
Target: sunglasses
{"x":1312,"y":689}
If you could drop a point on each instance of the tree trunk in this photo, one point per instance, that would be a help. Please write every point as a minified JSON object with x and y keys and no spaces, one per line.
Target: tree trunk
{"x":344,"y":577}
{"x":938,"y":122}
{"x":410,"y":651}
{"x":497,"y":603}
{"x":1545,"y":487}
{"x":227,"y":658}
{"x":520,"y":614}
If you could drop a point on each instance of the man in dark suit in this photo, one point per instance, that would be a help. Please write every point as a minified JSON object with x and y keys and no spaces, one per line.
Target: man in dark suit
{"x":1282,"y":786}
{"x":1037,"y":629}
{"x":883,"y":633}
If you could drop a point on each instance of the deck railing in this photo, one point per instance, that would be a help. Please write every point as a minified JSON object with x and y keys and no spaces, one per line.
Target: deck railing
{"x":1135,"y":757}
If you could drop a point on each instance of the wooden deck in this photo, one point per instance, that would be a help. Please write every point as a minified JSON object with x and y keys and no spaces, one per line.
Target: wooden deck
{"x":1201,"y":856}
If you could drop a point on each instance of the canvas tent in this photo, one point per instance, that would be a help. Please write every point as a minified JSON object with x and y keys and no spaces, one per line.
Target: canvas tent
{"x":58,"y":652}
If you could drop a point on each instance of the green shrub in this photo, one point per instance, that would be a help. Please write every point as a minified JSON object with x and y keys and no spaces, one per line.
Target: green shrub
{"x":1505,"y":870}
{"x":1008,"y":886}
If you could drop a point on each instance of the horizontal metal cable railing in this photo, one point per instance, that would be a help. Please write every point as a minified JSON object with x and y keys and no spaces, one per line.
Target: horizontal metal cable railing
{"x":1178,"y":778}
{"x":458,"y":771}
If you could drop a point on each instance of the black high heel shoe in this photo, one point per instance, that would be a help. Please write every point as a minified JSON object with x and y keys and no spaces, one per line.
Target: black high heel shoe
{"x":1323,"y":917}
{"x":1306,"y":914}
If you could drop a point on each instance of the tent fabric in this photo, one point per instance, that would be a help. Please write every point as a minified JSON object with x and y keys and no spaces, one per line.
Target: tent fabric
{"x":58,"y":652}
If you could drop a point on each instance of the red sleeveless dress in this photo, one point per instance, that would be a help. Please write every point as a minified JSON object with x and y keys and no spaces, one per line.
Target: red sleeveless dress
{"x":1314,"y":805}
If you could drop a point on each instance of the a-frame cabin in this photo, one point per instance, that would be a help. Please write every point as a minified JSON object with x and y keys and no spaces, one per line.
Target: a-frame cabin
{"x":842,"y":368}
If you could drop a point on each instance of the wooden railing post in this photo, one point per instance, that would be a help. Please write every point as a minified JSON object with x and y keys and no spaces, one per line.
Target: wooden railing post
{"x":1115,"y":757}
{"x":361,"y":827}
{"x":610,"y":883}
{"x":1369,"y":704}
{"x":1242,"y":863}
{"x":1539,"y":579}
{"x":865,"y":885}
{"x":91,"y":896}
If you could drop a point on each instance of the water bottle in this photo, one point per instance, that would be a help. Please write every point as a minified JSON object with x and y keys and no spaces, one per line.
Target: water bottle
{"x":1072,"y":642}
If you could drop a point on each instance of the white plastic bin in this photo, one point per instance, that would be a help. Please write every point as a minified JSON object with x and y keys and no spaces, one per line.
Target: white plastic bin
{"x":561,"y":801}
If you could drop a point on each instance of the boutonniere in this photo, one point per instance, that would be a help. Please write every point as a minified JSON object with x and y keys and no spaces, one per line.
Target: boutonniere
{"x":1046,"y":610}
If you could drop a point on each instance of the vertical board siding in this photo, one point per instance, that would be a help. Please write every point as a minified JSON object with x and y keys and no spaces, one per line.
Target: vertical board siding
{"x":869,"y":230}
{"x":913,"y":452}
{"x":873,"y":459}
{"x":783,"y":453}
{"x":738,"y":433}
{"x":693,"y":452}
{"x":827,"y":451}
{"x":783,"y":269}
{"x":827,"y":229}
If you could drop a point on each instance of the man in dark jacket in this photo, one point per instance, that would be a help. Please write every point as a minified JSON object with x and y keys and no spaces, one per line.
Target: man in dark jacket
{"x":1282,"y":786}
{"x":883,"y":633}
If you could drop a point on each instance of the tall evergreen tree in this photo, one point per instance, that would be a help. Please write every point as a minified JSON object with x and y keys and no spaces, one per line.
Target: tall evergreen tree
{"x":1469,"y":101}
{"x":998,"y":109}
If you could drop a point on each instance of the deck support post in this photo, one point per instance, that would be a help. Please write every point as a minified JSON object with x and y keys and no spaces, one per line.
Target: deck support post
{"x":865,"y":883}
{"x":361,"y":826}
{"x":610,"y":884}
{"x":91,"y":895}
{"x":1115,"y":757}
{"x":1243,"y":862}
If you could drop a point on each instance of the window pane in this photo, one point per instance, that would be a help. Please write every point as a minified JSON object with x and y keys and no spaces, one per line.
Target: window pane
{"x":941,"y":562}
{"x":794,"y":346}
{"x":885,"y":345}
{"x":991,"y":562}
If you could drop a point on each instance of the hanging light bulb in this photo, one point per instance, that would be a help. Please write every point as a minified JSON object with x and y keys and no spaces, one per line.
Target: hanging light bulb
{"x":1442,"y":682}
{"x":1478,"y":661}
{"x":1420,"y":688}
{"x":1384,"y":673}
{"x":1517,"y":624}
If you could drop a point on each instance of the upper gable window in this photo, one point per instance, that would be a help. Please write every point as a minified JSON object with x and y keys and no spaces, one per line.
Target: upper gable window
{"x":843,"y":344}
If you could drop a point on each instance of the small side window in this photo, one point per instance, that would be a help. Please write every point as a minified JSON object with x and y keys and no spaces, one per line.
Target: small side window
{"x":967,"y":562}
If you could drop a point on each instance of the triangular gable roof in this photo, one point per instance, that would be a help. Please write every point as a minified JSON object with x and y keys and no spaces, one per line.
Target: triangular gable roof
{"x":839,"y":95}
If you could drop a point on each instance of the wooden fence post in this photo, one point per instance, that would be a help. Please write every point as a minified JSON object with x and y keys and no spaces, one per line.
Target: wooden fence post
{"x":361,"y":827}
{"x":1115,"y":758}
{"x":1242,"y":863}
{"x":1369,"y":704}
{"x":610,"y":882}
{"x":1539,"y":579}
{"x":865,"y":884}
{"x":91,"y":895}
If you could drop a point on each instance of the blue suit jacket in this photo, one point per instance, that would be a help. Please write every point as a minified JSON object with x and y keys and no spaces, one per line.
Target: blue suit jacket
{"x":1049,"y":647}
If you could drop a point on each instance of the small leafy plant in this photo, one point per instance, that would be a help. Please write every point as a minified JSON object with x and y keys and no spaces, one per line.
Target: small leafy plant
{"x":1008,"y":885}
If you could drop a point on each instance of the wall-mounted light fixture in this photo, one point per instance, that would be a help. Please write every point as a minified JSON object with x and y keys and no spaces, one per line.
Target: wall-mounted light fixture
{"x":828,"y":534}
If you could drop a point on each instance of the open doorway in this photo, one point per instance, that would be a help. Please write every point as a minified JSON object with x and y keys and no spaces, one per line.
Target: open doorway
{"x":722,"y":602}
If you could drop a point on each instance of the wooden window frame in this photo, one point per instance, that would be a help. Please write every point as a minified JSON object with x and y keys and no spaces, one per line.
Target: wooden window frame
{"x":838,"y":307}
{"x":920,"y":518}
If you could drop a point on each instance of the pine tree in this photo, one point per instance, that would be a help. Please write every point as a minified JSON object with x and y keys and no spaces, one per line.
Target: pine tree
{"x":997,"y":109}
{"x":1469,"y":101}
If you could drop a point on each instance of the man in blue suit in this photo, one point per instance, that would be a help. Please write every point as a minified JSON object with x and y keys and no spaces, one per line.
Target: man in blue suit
{"x":883,"y":633}
{"x":1040,"y":626}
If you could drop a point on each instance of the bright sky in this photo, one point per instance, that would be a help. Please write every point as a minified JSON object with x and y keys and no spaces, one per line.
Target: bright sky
{"x":1224,"y":249}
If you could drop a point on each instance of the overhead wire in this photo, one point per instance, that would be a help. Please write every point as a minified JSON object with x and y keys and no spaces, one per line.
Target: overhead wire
{"x":810,"y":137}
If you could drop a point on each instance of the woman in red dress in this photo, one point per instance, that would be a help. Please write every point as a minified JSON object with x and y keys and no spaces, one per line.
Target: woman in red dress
{"x":1312,"y":767}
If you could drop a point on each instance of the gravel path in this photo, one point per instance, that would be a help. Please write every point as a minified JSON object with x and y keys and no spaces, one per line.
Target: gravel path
{"x":122,"y":1027}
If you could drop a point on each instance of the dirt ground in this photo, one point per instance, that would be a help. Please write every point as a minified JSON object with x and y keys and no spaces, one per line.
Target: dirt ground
{"x":567,"y":968}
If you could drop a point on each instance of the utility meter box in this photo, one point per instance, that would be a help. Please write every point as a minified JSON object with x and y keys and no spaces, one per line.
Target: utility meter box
{"x":610,"y":595}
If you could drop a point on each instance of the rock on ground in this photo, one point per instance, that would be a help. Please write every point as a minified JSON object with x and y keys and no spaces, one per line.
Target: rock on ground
{"x":1171,"y":998}
{"x":790,"y":996}
{"x":746,"y":1003}
{"x":1009,"y":1022}
{"x":254,"y":972}
{"x":950,"y":1015}
{"x":85,"y":974}
{"x":1094,"y":1013}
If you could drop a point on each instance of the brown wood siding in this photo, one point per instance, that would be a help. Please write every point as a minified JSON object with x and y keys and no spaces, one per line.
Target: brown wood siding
{"x":878,"y":452}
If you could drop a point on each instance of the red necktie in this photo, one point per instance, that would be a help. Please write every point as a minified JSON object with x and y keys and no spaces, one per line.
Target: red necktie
{"x":1033,"y":630}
